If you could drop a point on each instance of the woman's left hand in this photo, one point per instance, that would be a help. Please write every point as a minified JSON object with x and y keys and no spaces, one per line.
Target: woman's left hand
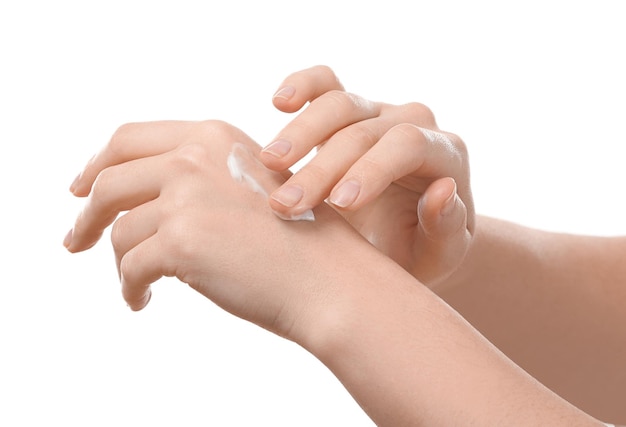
{"x":388,"y":169}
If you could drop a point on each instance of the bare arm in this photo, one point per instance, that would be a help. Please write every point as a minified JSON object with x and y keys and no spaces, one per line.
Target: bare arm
{"x":406,"y":356}
{"x":409,"y":359}
{"x":554,"y":303}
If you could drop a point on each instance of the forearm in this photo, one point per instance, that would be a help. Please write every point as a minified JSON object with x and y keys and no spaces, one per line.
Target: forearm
{"x":409,"y":359}
{"x":505,"y":251}
{"x":554,"y":304}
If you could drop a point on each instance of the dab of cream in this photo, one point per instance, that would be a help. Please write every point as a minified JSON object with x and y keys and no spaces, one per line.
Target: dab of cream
{"x":245,"y":168}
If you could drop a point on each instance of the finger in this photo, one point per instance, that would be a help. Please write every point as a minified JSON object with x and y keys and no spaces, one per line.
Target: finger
{"x":407,"y":154}
{"x":134,"y":227}
{"x":304,"y":86}
{"x":131,"y":141}
{"x":310,"y":185}
{"x":442,"y":237}
{"x":324,"y":117}
{"x":118,"y":188}
{"x":139,"y":268}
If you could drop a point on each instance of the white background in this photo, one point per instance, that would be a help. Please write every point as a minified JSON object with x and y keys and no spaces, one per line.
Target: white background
{"x":536,"y":89}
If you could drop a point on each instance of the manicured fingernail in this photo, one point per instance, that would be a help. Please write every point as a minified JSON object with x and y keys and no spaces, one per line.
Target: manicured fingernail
{"x":278,"y":148}
{"x":285,"y":92}
{"x":345,"y":194}
{"x":289,"y":195}
{"x":68,"y":239}
{"x":450,"y":203}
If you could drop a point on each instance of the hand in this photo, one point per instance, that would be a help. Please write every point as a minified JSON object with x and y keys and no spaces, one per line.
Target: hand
{"x":187,"y":217}
{"x":388,"y":169}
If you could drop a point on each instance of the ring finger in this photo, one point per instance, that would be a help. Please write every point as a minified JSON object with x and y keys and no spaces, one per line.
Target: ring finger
{"x":324,"y":117}
{"x":118,"y":188}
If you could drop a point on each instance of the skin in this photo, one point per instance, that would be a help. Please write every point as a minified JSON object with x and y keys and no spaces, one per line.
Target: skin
{"x":410,"y":181}
{"x":404,"y":354}
{"x":553,"y":303}
{"x":510,"y":281}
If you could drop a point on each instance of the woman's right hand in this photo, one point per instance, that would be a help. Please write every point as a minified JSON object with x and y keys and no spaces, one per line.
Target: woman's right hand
{"x":185,"y":216}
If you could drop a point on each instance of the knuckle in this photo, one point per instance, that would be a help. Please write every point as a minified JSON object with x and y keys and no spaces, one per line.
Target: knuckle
{"x":372,"y":170}
{"x":208,"y":131}
{"x":345,"y":102}
{"x":174,"y":237}
{"x":324,"y":73}
{"x":118,"y":144}
{"x":411,"y":134}
{"x":313,"y":173}
{"x":458,"y":143}
{"x":218,"y":135}
{"x":324,"y":70}
{"x":100,"y":189}
{"x":215,"y":127}
{"x":419,"y":113}
{"x":191,"y":158}
{"x":299,"y":126}
{"x":118,"y":231}
{"x":364,"y":135}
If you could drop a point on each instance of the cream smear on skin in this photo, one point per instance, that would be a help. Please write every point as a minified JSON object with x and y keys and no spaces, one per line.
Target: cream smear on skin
{"x":246,"y":169}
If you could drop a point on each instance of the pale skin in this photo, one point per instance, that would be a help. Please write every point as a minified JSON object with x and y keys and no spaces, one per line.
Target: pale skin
{"x":359,"y":313}
{"x":552,"y":302}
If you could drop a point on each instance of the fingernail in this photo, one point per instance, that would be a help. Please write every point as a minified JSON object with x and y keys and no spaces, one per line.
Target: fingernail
{"x":68,"y":239}
{"x":450,"y":203}
{"x":285,"y":92}
{"x":278,"y":148}
{"x":75,"y":183}
{"x":289,"y":195}
{"x":144,"y":301}
{"x":345,"y":194}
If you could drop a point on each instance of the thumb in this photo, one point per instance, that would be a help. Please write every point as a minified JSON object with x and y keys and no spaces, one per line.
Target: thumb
{"x":442,"y":237}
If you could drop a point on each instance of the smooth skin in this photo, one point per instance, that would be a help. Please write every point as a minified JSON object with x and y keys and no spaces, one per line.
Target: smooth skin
{"x":553,"y":302}
{"x":398,"y":179}
{"x":405,"y":355}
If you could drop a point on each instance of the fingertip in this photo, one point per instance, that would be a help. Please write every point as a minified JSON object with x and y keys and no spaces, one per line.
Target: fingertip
{"x":277,"y":149}
{"x":284,"y":99}
{"x":141,"y":303}
{"x":449,"y":203}
{"x":81,"y":186}
{"x":67,"y":241}
{"x":345,"y":194}
{"x":287,"y":202}
{"x":77,"y":188}
{"x":441,"y":211}
{"x":284,"y":94}
{"x":74,"y":183}
{"x":290,"y":213}
{"x":288,"y":195}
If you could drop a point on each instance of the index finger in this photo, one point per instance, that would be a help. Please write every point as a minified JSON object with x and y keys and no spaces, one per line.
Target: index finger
{"x":130,"y":142}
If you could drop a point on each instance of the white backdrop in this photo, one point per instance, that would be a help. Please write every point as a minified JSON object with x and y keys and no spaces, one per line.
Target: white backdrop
{"x":536,"y":89}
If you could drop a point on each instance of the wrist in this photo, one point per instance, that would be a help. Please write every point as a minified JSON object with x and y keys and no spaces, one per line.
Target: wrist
{"x":491,"y":237}
{"x":357,"y":284}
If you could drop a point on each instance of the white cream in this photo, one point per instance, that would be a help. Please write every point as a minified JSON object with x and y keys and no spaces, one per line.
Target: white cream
{"x":245,"y":168}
